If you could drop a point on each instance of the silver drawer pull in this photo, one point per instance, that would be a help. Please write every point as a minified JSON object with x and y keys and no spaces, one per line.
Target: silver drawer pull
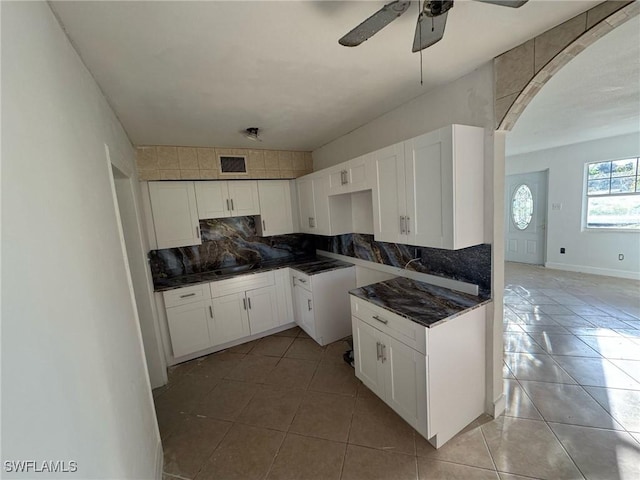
{"x":249,"y":301}
{"x":188,"y":295}
{"x":264,"y":225}
{"x":309,"y":304}
{"x":381,"y":320}
{"x":244,"y":303}
{"x":302,"y":280}
{"x":210,"y":311}
{"x":197,"y":232}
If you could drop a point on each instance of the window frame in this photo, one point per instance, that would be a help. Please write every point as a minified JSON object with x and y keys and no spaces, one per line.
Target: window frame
{"x":586,"y":196}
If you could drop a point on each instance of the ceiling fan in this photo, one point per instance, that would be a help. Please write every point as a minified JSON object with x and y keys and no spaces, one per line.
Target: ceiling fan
{"x":429,"y":28}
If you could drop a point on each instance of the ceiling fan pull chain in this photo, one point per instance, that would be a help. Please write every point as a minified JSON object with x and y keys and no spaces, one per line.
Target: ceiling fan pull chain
{"x":420,"y":33}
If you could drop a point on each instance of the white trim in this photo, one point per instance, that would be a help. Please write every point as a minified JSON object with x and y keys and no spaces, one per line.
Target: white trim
{"x":159,"y":460}
{"x":457,"y":285}
{"x":609,"y":272}
{"x":499,"y":406}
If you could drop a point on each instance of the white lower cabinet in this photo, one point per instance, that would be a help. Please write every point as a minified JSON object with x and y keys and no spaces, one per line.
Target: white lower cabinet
{"x":321,"y":303}
{"x":262,"y":306}
{"x":393,"y":371}
{"x":230,"y":320}
{"x":189,"y":327}
{"x":304,"y":314}
{"x":437,"y":384}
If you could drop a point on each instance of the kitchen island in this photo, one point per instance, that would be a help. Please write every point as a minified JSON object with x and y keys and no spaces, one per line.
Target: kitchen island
{"x":421,"y":349}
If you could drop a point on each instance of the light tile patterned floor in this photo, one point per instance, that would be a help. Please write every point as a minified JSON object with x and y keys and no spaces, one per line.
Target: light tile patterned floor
{"x":285,"y":408}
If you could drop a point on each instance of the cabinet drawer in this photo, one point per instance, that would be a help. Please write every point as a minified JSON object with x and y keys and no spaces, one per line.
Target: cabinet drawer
{"x":182,"y":296}
{"x":410,"y":333}
{"x":301,"y":280}
{"x":241,"y":284}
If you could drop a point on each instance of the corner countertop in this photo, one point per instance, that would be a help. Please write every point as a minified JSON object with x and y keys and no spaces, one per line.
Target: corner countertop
{"x":311,"y":266}
{"x":419,"y":302}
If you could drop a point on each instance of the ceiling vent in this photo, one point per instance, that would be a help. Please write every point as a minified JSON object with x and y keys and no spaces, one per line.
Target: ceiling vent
{"x":233,"y":164}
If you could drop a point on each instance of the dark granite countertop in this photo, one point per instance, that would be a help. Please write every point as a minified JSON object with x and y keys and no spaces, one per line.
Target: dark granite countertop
{"x":420,"y":302}
{"x":308,"y":266}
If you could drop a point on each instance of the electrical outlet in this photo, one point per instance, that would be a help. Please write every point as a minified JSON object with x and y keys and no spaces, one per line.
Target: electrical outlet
{"x":621,"y":256}
{"x":556,"y":206}
{"x":562,"y":250}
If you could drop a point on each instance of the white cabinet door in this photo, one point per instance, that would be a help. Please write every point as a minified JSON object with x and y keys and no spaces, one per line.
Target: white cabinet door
{"x":213,"y":199}
{"x":230,"y":319}
{"x":275,"y":207}
{"x":263,"y":309}
{"x":389,"y":196}
{"x":405,"y":381}
{"x":338,"y":180}
{"x":305,"y":316}
{"x":359,"y":173}
{"x":243,"y":196}
{"x":175,"y":215}
{"x":306,"y":205}
{"x":321,"y":224}
{"x":367,"y":349}
{"x":188,"y":326}
{"x":423,"y":170}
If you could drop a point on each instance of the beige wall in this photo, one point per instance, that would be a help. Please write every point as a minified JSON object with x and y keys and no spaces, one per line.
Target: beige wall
{"x":191,"y":163}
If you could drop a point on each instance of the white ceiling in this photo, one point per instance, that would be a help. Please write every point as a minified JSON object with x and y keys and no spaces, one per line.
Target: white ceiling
{"x":596,"y":95}
{"x":197,"y":73}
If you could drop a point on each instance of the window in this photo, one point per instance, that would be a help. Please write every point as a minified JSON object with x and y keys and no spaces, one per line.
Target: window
{"x":522,"y":207}
{"x":613,"y":194}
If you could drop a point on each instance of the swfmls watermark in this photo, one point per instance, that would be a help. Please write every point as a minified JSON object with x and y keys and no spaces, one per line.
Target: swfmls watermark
{"x":40,"y":466}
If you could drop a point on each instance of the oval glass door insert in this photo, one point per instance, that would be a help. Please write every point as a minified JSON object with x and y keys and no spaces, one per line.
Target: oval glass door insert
{"x":522,"y":207}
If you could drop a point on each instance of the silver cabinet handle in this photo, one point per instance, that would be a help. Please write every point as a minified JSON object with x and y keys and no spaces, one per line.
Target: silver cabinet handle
{"x":401,"y":224}
{"x":309,"y":304}
{"x":264,"y":225}
{"x":378,"y":351}
{"x":210,"y":311}
{"x":198,"y":232}
{"x":381,"y":320}
{"x":187,"y":295}
{"x":302,"y":280}
{"x":249,"y":301}
{"x":228,"y":205}
{"x":293,"y":281}
{"x":383,"y":347}
{"x":232,"y":204}
{"x":244,"y":303}
{"x":407,"y":224}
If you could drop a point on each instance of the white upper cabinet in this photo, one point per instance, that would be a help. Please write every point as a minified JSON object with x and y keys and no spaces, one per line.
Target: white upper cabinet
{"x":352,"y":176}
{"x":275,"y":208}
{"x":220,"y":199}
{"x":320,"y":213}
{"x":175,"y":215}
{"x":213,"y":200}
{"x":306,"y":204}
{"x":429,"y":189}
{"x":389,"y":196}
{"x":243,"y":196}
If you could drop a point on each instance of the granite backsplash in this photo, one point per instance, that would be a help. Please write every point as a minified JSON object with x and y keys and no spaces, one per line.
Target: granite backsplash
{"x":227,"y":242}
{"x":471,"y":264}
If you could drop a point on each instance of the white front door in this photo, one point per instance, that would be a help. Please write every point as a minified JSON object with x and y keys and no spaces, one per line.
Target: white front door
{"x":526,"y":218}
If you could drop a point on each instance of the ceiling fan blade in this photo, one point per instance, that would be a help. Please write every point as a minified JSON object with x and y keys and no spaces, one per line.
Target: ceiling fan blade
{"x":374,"y":23}
{"x":429,"y":30}
{"x":506,"y":3}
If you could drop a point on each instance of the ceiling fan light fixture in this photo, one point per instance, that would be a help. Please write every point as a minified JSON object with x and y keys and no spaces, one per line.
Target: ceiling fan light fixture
{"x":252,"y":134}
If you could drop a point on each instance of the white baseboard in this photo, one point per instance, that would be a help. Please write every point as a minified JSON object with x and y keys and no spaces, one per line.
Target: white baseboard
{"x":609,"y":272}
{"x":499,"y":406}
